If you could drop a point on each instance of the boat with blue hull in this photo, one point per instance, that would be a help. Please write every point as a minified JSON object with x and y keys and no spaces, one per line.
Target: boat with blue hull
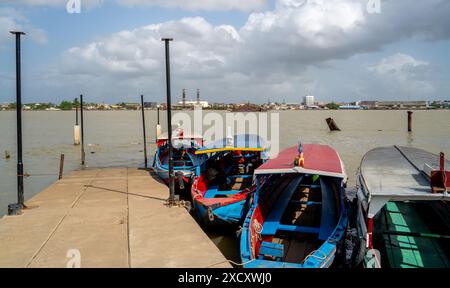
{"x":184,"y":158}
{"x":298,"y":216}
{"x":224,"y":182}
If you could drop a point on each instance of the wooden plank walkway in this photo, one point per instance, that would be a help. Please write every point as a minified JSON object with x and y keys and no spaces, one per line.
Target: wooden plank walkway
{"x":113,"y":217}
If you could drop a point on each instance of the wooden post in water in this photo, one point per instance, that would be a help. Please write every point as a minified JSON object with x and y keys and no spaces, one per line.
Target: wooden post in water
{"x":76,"y":129}
{"x":83,"y":155}
{"x":143,"y":128}
{"x":158,"y":125}
{"x":332,"y":125}
{"x":410,"y":121}
{"x":61,"y":166}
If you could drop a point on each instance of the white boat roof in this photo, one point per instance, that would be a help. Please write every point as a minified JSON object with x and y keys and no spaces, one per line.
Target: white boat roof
{"x":399,"y":174}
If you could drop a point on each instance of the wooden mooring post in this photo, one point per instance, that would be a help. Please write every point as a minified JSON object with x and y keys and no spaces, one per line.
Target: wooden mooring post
{"x":410,"y":113}
{"x":61,"y":166}
{"x":143,"y":129}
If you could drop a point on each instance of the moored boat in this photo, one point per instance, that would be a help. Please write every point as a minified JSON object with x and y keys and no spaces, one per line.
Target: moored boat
{"x":402,"y":209}
{"x":184,"y":158}
{"x":298,"y":217}
{"x":224,"y":182}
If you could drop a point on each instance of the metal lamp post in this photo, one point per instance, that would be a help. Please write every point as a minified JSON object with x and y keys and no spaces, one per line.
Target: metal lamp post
{"x":14,"y":209}
{"x":169,"y":121}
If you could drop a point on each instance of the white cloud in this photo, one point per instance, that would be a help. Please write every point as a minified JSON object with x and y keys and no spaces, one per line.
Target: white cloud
{"x":13,"y":20}
{"x":200,"y":47}
{"x":272,"y":51}
{"x":403,"y":74}
{"x":399,"y":64}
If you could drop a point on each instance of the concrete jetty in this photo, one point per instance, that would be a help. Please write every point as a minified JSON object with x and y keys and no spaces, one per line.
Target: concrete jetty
{"x":105,"y":218}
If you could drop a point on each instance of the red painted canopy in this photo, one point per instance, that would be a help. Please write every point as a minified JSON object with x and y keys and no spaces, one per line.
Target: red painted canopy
{"x":319,"y":160}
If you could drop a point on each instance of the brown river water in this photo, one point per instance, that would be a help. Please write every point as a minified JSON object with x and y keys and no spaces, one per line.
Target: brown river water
{"x":114,"y":138}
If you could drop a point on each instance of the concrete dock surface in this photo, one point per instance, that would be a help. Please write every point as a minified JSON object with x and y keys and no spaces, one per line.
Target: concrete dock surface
{"x":105,"y":218}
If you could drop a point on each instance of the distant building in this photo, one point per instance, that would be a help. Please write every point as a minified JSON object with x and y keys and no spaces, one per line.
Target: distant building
{"x":309,"y":101}
{"x":401,"y":105}
{"x":351,"y":107}
{"x":132,"y":106}
{"x":368,"y":104}
{"x":4,"y":106}
{"x":150,"y":105}
{"x":193,"y":103}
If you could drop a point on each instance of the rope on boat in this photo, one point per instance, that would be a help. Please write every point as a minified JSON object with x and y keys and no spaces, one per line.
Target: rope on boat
{"x":231,"y":262}
{"x":258,"y":228}
{"x":180,"y":203}
{"x":316,"y":256}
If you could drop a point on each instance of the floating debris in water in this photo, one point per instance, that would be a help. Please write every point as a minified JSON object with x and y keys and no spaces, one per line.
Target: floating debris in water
{"x":332,"y":124}
{"x":7,"y":155}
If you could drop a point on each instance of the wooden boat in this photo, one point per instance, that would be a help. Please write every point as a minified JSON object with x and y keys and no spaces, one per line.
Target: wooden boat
{"x":298,"y":217}
{"x":402,"y":209}
{"x":224,"y":182}
{"x":184,"y":158}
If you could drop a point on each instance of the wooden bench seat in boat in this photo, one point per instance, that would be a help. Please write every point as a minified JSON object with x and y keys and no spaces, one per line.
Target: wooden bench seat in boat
{"x":298,"y":229}
{"x":273,"y":250}
{"x":240,"y":176}
{"x":214,"y":192}
{"x":272,"y":222}
{"x":328,"y":215}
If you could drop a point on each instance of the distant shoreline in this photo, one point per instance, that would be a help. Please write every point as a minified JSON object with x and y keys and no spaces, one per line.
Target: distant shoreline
{"x":178,"y":110}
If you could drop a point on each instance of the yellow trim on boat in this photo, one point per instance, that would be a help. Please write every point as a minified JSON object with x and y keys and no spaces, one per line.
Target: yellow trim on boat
{"x":229,"y":149}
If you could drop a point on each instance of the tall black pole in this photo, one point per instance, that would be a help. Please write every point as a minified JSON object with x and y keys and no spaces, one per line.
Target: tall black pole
{"x":14,"y":209}
{"x":83,"y":155}
{"x":169,"y":121}
{"x":143,"y":127}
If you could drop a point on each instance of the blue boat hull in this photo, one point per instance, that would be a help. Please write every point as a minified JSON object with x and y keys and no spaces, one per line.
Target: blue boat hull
{"x":264,"y":223}
{"x":231,"y":214}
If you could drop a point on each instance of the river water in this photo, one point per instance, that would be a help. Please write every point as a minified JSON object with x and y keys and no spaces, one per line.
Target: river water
{"x":114,"y":138}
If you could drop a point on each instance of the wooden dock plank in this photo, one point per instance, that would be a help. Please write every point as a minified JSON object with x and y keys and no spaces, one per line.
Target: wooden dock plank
{"x":114,"y":217}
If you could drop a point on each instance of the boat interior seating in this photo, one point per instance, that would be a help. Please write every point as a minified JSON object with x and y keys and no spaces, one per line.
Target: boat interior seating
{"x":230,"y":175}
{"x":180,"y":158}
{"x":302,"y":217}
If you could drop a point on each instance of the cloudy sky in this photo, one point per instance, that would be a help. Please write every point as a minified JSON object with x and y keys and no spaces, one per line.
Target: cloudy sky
{"x":232,"y":50}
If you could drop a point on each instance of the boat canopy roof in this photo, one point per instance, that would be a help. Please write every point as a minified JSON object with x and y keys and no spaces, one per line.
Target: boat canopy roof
{"x":319,"y":160}
{"x":243,"y":142}
{"x":398,"y":174}
{"x":164,"y":136}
